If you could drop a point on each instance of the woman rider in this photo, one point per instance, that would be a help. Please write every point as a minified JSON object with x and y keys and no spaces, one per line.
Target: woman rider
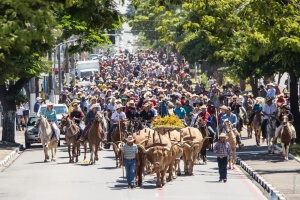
{"x":50,"y":114}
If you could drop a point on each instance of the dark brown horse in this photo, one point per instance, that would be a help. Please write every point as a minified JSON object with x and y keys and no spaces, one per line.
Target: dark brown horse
{"x":117,"y":138}
{"x":205,"y":134}
{"x":72,"y":132}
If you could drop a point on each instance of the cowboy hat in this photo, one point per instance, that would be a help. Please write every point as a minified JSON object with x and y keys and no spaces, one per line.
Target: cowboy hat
{"x":223,"y":107}
{"x":130,"y":102}
{"x":203,"y":107}
{"x":222,"y":135}
{"x":170,"y":104}
{"x":268,"y":99}
{"x":271,"y":84}
{"x":119,"y":106}
{"x":49,"y":104}
{"x":130,"y":139}
{"x":94,"y":106}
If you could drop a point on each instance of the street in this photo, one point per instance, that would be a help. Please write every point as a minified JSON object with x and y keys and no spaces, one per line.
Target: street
{"x":30,"y":178}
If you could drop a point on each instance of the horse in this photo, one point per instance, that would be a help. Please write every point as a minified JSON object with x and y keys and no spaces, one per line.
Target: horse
{"x":117,"y":138}
{"x":285,"y":136}
{"x":206,"y":143}
{"x":94,"y":137}
{"x":105,"y":127}
{"x":134,"y":126}
{"x":214,"y":126}
{"x":249,"y":126}
{"x":72,"y":134}
{"x":256,"y":124}
{"x":47,"y":137}
{"x":231,"y":138}
{"x":271,"y":127}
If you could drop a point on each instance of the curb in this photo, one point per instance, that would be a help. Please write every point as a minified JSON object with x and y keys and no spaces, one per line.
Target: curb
{"x":13,"y":154}
{"x":274,"y":194}
{"x":291,"y":156}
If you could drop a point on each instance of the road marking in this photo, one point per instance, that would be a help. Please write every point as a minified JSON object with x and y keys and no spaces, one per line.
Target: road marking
{"x":247,"y":182}
{"x":250,"y":152}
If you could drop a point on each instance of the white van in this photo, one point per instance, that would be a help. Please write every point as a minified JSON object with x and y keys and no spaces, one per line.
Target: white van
{"x":86,"y":68}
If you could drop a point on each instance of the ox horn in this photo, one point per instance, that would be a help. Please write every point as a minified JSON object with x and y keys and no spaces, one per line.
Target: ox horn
{"x":187,"y":145}
{"x":167,"y":148}
{"x":145,"y":151}
{"x":145,"y":140}
{"x":171,"y":149}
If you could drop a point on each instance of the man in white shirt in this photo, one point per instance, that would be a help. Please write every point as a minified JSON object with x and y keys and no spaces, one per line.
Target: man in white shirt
{"x":112,"y":105}
{"x":268,"y":110}
{"x":116,"y":116}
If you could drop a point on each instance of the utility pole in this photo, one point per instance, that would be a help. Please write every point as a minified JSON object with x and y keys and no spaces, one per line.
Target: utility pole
{"x":73,"y":66}
{"x":32,"y":94}
{"x":67,"y":74}
{"x":50,"y":82}
{"x":59,"y":70}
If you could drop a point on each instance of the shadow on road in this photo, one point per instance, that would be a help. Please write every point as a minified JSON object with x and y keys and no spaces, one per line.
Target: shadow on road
{"x":109,"y":168}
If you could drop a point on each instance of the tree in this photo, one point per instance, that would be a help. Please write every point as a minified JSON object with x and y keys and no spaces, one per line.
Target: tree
{"x":29,"y":31}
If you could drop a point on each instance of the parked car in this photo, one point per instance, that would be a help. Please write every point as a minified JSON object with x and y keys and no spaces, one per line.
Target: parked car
{"x":31,"y":133}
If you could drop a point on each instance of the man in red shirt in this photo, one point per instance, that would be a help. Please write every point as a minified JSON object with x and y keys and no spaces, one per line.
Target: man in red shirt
{"x":207,"y":120}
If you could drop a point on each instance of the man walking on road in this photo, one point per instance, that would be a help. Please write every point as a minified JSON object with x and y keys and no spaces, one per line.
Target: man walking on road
{"x":129,"y":155}
{"x":223,"y":150}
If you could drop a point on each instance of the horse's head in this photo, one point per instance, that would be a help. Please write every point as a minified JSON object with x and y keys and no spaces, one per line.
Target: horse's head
{"x":285,"y":120}
{"x":38,"y":121}
{"x":226,"y":125}
{"x":64,"y":120}
{"x":200,"y":123}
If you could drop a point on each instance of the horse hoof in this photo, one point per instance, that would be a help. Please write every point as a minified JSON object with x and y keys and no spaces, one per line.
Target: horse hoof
{"x":186,"y":173}
{"x":205,"y":163}
{"x":45,"y":160}
{"x":179,"y":174}
{"x":70,"y":161}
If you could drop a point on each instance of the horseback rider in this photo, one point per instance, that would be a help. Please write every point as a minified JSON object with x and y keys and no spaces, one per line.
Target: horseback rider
{"x":93,"y":101}
{"x":233,"y":120}
{"x":115,"y":118}
{"x":235,"y":106}
{"x":256,"y":109}
{"x":132,"y":114}
{"x":88,"y":121}
{"x":285,"y":111}
{"x":50,"y":114}
{"x":268,"y":110}
{"x":207,"y":120}
{"x":77,"y":116}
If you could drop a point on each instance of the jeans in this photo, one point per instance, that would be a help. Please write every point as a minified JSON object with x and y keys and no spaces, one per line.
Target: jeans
{"x":211,"y":132}
{"x":110,"y":132}
{"x":54,"y":126}
{"x":263,"y":128}
{"x":149,"y":124}
{"x":222,"y":164}
{"x":130,"y":167}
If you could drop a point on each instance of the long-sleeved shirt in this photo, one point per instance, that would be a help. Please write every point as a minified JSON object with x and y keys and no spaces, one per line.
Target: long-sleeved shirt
{"x":89,"y":117}
{"x":223,"y":149}
{"x":257,"y":107}
{"x":232,"y":118}
{"x":36,"y":107}
{"x":206,"y":118}
{"x":115,"y":116}
{"x":271,"y":93}
{"x":269,"y":110}
{"x":50,"y":115}
{"x":90,"y":105}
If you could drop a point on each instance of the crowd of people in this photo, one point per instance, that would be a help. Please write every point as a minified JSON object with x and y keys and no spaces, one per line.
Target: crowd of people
{"x":147,"y":84}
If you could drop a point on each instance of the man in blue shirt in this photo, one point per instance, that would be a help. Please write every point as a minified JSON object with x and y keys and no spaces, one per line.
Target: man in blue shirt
{"x":233,"y":120}
{"x":37,"y":104}
{"x":271,"y":91}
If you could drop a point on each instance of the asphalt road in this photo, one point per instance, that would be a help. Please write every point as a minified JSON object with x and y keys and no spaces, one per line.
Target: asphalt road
{"x":29,"y":178}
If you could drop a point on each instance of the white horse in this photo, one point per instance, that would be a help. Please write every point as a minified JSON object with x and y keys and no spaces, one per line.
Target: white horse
{"x":47,"y":138}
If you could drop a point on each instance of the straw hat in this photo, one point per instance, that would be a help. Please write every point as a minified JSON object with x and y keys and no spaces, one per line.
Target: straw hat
{"x":270,"y":84}
{"x":170,"y":104}
{"x":130,"y":139}
{"x":223,"y":107}
{"x":130,"y":102}
{"x":222,"y":135}
{"x":94,"y":106}
{"x":119,"y":106}
{"x":49,"y":104}
{"x":203,"y":107}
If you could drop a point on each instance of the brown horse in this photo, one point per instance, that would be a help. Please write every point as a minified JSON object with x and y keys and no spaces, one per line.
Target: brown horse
{"x":231,"y":138}
{"x":257,"y":120}
{"x":94,"y":136}
{"x":117,"y":138}
{"x":286,"y":136}
{"x":249,"y":126}
{"x":71,"y":137}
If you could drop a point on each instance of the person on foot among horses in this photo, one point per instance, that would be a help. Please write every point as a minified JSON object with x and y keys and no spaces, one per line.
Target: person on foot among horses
{"x":50,"y":115}
{"x":88,"y":121}
{"x":233,"y":120}
{"x":223,"y":150}
{"x":268,"y":110}
{"x":207,"y":120}
{"x":130,"y":160}
{"x":236,"y":108}
{"x":285,"y":111}
{"x":257,"y":107}
{"x":77,"y":116}
{"x":115,"y":118}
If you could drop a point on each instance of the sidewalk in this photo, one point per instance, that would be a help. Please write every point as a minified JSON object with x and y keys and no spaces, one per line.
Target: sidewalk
{"x":283,"y":175}
{"x":6,"y":149}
